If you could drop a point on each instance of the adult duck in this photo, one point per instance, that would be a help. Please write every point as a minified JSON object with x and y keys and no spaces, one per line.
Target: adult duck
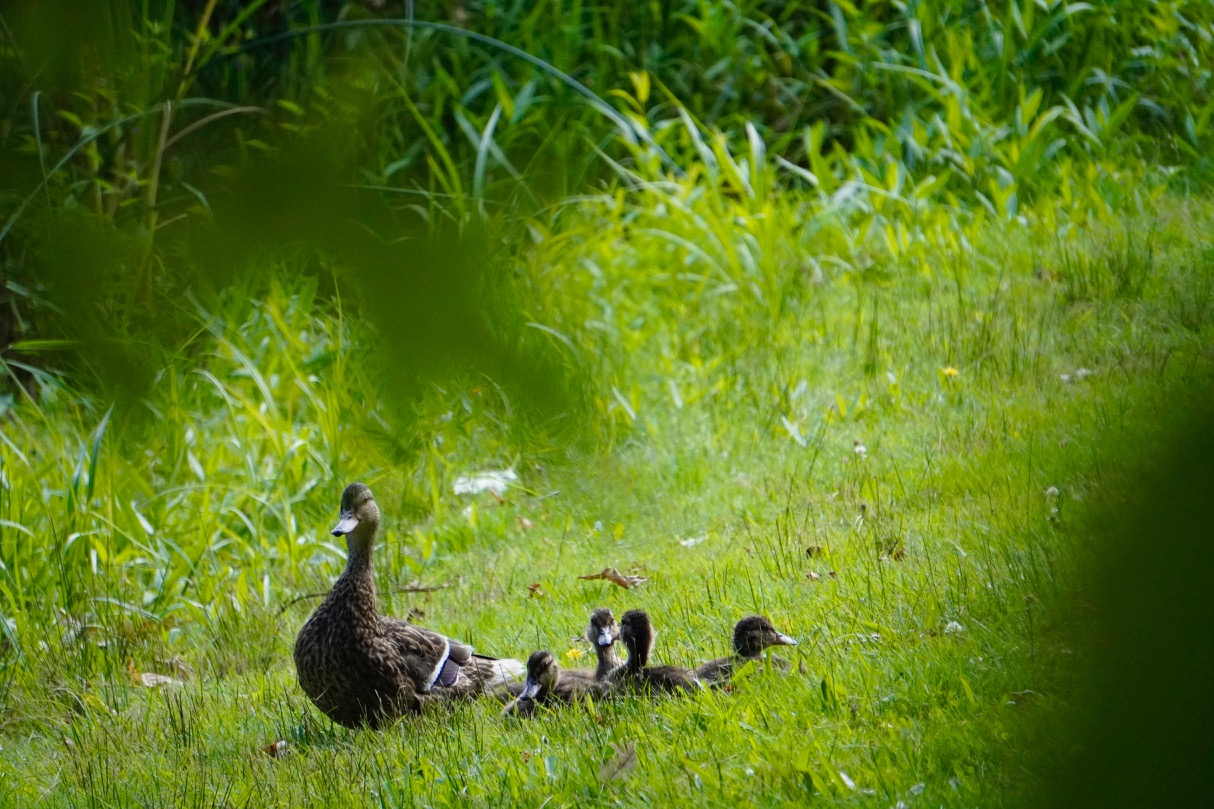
{"x":361,"y":668}
{"x":548,"y":684}
{"x":637,"y":634}
{"x":751,"y":636}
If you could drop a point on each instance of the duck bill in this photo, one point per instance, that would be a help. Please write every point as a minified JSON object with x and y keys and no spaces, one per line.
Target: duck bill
{"x":531,"y":689}
{"x":605,"y":637}
{"x":784,"y":640}
{"x":347,"y":524}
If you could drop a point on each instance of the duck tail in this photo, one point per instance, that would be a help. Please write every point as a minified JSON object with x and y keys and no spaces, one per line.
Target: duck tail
{"x":503,"y":671}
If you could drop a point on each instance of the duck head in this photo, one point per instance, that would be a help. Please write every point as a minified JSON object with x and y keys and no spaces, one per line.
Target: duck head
{"x":602,"y":631}
{"x":637,"y":634}
{"x":359,"y":517}
{"x":755,"y":633}
{"x":542,"y":671}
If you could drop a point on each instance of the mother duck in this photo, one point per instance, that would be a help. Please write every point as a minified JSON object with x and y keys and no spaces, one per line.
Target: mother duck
{"x":361,"y":668}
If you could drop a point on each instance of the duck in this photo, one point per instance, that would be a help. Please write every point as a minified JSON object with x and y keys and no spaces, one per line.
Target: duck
{"x":602,"y":632}
{"x":547,"y":683}
{"x":363,"y":669}
{"x":751,"y":636}
{"x":637,"y":634}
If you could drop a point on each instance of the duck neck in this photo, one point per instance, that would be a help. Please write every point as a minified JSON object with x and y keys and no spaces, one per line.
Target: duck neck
{"x":638,"y":655}
{"x":359,"y":573}
{"x":608,"y":660}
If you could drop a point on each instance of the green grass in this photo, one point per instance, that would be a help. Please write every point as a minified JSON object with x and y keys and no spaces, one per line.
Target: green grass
{"x":970,"y":241}
{"x":736,"y":351}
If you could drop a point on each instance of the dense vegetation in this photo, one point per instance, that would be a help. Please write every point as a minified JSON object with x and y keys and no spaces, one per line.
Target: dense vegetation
{"x":855,"y":315}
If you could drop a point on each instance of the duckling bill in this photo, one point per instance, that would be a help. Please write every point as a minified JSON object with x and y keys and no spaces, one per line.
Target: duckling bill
{"x":361,"y":668}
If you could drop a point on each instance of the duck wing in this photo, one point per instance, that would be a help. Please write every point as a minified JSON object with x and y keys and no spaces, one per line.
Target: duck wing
{"x":669,"y":678}
{"x":715,"y":672}
{"x":576,"y":683}
{"x":435,"y":661}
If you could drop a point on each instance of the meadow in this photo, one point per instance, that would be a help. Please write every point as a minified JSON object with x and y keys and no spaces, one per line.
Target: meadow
{"x":862,"y":319}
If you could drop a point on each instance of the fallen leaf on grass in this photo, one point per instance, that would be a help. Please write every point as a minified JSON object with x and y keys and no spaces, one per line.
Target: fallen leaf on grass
{"x":616,"y":577}
{"x":812,"y":576}
{"x":534,"y":590}
{"x":147,"y":679}
{"x":623,"y":760}
{"x":150,"y":680}
{"x":278,"y":749}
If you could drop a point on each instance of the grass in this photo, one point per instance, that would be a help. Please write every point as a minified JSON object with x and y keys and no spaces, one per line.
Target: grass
{"x":931,"y":578}
{"x":861,"y":322}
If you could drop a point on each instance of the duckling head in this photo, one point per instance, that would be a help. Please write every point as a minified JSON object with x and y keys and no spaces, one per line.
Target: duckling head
{"x":602,"y":631}
{"x":755,"y":633}
{"x":542,"y":671}
{"x":359,"y":515}
{"x":637,"y":634}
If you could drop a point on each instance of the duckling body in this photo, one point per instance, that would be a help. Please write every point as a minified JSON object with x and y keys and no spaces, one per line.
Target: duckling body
{"x":547,"y":684}
{"x":362,"y":668}
{"x":751,"y":636}
{"x":638,"y":635}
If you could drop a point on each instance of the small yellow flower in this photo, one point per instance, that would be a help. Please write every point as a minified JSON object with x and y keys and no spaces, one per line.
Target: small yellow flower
{"x":574,"y":654}
{"x":949,"y":371}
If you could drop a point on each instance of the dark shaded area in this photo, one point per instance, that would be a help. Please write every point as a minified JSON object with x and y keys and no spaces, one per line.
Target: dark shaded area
{"x":1145,"y":735}
{"x":184,"y":201}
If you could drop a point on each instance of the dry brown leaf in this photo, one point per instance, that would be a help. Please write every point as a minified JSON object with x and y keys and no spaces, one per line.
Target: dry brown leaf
{"x":535,"y":590}
{"x":616,"y":577}
{"x":278,"y":749}
{"x":624,"y":759}
{"x":812,"y":576}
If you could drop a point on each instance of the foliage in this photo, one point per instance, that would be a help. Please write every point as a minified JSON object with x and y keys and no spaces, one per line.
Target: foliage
{"x":849,"y":314}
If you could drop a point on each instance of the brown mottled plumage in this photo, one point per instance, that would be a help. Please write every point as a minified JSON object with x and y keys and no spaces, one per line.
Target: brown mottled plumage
{"x":751,"y":636}
{"x":637,"y":634}
{"x":361,"y":668}
{"x":547,"y":684}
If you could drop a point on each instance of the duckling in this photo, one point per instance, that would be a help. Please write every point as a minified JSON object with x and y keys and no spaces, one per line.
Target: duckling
{"x":602,"y":633}
{"x":751,"y":636}
{"x":361,"y":668}
{"x":546,"y":684}
{"x":638,"y":635}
